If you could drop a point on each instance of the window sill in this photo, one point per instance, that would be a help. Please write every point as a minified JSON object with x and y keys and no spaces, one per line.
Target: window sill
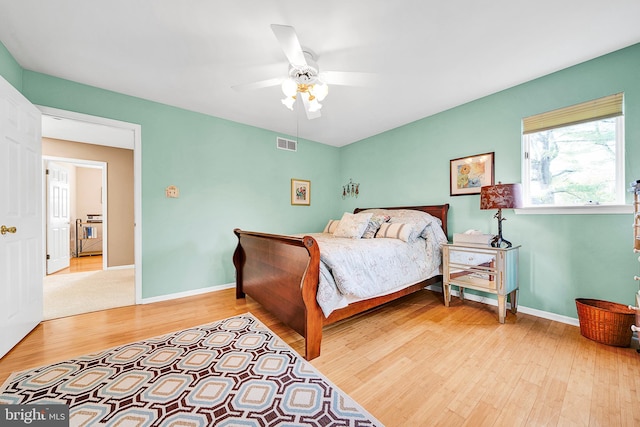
{"x":571,"y":210}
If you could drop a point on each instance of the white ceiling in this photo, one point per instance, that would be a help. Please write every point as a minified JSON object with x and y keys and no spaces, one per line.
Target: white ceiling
{"x":428,"y":55}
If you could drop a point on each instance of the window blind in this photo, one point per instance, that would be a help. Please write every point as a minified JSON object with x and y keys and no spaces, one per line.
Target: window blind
{"x":597,"y":109}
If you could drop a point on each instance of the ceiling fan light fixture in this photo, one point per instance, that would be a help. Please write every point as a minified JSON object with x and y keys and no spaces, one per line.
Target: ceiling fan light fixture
{"x":289,"y":101}
{"x":320,"y":90}
{"x":314,"y":105}
{"x":289,"y":87}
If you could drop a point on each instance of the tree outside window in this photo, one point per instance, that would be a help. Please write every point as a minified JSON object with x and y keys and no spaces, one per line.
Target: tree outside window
{"x":573,"y":165}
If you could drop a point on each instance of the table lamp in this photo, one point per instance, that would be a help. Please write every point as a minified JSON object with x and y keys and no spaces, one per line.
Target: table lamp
{"x":500,"y":196}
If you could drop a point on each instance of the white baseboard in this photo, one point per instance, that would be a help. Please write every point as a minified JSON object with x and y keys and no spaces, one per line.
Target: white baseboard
{"x":188,"y":293}
{"x":521,"y":309}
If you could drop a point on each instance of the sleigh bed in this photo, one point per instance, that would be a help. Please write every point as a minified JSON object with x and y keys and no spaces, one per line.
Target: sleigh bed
{"x":283,"y":273}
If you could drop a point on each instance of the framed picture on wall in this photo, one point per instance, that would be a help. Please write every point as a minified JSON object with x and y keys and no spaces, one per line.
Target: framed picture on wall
{"x":468,"y":174}
{"x":300,"y":192}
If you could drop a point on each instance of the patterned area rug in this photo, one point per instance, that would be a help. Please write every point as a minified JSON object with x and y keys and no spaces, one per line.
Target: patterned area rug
{"x":234,"y":372}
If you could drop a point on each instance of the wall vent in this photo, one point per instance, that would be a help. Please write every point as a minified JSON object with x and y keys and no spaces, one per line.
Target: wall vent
{"x":286,"y":144}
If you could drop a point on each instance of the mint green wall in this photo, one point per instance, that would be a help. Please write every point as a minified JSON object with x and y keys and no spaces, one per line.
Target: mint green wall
{"x":10,"y":69}
{"x":562,"y":256}
{"x":229,"y":175}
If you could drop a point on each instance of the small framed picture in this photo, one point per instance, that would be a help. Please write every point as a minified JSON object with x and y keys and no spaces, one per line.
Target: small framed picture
{"x":468,"y":174}
{"x":300,"y":192}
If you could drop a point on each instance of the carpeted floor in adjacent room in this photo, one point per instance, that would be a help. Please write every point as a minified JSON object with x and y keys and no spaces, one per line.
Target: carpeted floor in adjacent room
{"x":75,"y":293}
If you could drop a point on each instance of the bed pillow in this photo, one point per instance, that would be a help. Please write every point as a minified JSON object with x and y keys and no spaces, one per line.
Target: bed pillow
{"x":352,"y":225}
{"x":434,"y":233}
{"x":418,"y":219}
{"x":396,"y":230}
{"x":374,"y":225}
{"x":331,"y":226}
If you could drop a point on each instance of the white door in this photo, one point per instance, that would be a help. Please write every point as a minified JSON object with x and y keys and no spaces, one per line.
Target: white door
{"x":58,"y":231}
{"x":21,"y":246}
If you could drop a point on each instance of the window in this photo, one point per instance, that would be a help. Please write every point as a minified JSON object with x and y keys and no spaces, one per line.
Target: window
{"x":574,"y":156}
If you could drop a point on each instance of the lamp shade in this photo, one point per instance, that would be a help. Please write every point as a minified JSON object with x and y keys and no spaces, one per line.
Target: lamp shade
{"x":501,"y":196}
{"x":320,"y":90}
{"x":288,"y":102}
{"x":289,"y":87}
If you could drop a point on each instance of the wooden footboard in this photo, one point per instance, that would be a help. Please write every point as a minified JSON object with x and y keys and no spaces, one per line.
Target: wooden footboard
{"x":282,"y":274}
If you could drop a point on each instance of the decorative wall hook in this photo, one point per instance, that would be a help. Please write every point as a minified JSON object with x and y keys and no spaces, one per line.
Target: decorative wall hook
{"x":351,"y":189}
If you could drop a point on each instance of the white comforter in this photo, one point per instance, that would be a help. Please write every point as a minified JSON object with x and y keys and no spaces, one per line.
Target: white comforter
{"x":363,"y":268}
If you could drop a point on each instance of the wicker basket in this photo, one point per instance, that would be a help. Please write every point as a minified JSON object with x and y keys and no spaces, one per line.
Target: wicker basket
{"x":605,"y":322}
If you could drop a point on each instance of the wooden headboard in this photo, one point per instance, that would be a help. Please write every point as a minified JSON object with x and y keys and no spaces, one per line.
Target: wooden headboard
{"x":438,"y":211}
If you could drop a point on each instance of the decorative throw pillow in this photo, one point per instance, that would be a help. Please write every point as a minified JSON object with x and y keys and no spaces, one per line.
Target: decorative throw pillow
{"x":352,"y":225}
{"x":331,"y":226}
{"x":374,"y":224}
{"x":418,"y":220}
{"x":395,"y":230}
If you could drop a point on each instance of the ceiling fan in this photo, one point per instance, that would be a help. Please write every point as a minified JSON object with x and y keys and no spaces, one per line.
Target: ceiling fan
{"x":305,"y":81}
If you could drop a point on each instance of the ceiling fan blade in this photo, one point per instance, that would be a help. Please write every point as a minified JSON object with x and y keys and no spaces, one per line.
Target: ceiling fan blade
{"x":258,"y":85}
{"x":349,"y":78}
{"x":310,"y":114}
{"x":290,"y":44}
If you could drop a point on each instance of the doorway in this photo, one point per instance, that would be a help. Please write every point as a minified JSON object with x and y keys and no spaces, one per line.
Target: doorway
{"x":76,"y":207}
{"x":79,"y":128}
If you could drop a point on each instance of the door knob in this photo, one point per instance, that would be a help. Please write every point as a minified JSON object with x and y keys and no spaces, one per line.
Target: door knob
{"x":4,"y":229}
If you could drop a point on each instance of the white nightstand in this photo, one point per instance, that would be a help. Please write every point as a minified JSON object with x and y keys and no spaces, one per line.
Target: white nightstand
{"x":483,"y":268}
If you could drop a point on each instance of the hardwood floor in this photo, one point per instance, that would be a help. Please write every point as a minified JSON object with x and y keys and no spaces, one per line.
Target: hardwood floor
{"x":84,"y":263}
{"x":413,"y":362}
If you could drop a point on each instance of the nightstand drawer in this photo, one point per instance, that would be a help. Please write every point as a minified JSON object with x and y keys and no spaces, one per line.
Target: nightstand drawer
{"x":475,"y":281}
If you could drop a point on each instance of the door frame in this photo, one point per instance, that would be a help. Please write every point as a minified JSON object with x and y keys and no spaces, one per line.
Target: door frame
{"x":81,"y":163}
{"x":136,"y":146}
